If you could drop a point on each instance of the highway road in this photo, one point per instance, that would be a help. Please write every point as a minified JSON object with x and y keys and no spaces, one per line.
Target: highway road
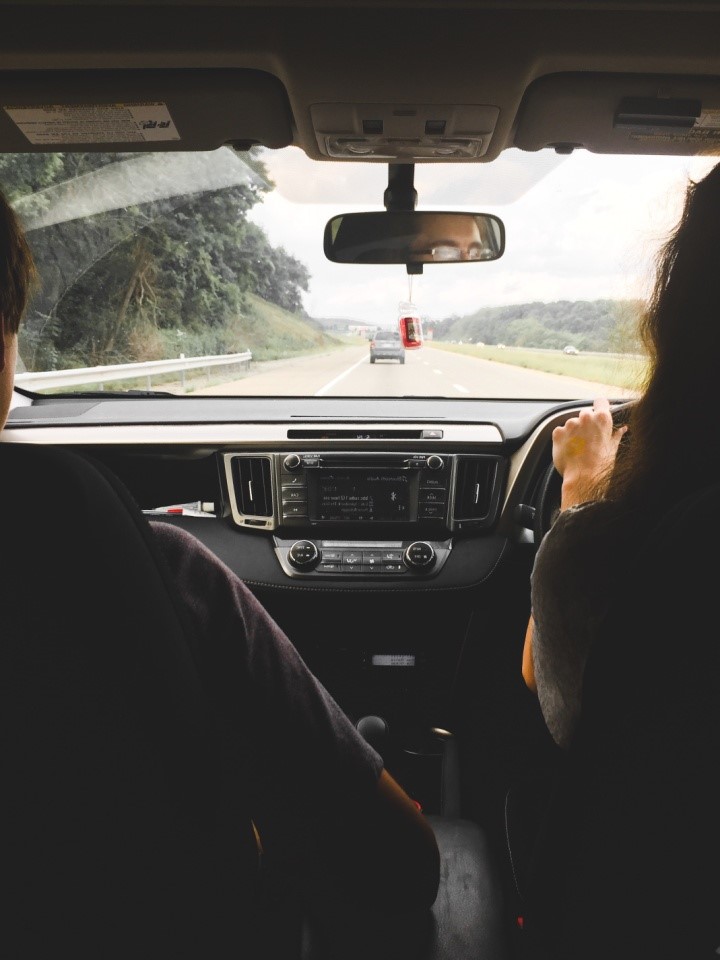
{"x":347,"y":372}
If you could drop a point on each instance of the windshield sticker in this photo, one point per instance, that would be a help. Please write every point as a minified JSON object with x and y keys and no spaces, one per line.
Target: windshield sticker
{"x":697,"y":134}
{"x":708,"y":118}
{"x":705,"y":129}
{"x":94,"y":123}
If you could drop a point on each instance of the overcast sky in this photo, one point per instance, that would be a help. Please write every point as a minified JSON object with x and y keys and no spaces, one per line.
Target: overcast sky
{"x":577,"y":228}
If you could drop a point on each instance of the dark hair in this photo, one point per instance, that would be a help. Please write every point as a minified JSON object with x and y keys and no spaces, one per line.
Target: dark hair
{"x":17,"y":268}
{"x":673,"y":443}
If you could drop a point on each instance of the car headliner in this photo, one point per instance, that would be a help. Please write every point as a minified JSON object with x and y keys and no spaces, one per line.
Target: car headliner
{"x":527,"y":74}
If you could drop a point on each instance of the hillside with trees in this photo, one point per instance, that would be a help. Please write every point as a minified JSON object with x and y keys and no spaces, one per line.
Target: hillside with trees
{"x":179,"y":269}
{"x":590,"y":325}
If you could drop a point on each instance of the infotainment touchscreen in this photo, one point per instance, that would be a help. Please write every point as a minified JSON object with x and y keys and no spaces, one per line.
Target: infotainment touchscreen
{"x":350,"y":495}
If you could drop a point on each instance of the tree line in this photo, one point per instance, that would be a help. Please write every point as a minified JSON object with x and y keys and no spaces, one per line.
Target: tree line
{"x":607,"y":326}
{"x":146,"y":280}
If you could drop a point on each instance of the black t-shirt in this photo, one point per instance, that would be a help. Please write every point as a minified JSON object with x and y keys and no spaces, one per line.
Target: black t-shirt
{"x":580,"y":568}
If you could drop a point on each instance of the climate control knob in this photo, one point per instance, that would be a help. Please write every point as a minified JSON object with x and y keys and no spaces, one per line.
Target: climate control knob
{"x":291,"y":461}
{"x":435,"y":462}
{"x":419,"y":555}
{"x":303,"y":555}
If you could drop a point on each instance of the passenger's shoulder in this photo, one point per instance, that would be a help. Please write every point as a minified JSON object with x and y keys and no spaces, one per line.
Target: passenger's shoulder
{"x":605,"y":517}
{"x":181,"y":547}
{"x":191,"y":561}
{"x":586,"y":540}
{"x":168,"y":533}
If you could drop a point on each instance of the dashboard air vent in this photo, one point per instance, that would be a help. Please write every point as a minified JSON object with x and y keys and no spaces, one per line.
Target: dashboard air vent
{"x":253,"y":485}
{"x":474,"y":487}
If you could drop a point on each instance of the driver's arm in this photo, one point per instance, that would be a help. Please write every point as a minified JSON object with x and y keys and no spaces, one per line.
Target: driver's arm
{"x":528,"y":669}
{"x":584,"y":448}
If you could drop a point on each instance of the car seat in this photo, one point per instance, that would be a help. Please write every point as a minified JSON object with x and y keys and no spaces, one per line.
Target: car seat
{"x":125,"y":814}
{"x":125,"y":826}
{"x":626,"y":864}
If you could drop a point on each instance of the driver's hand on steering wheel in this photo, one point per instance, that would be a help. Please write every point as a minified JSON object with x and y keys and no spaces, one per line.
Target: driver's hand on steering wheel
{"x":584,"y":449}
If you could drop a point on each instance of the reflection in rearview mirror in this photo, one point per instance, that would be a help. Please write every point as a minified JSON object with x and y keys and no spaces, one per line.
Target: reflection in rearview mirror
{"x":416,"y":236}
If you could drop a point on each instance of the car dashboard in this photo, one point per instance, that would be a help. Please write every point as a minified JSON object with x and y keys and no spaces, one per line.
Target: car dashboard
{"x":391,"y":540}
{"x":338,"y":474}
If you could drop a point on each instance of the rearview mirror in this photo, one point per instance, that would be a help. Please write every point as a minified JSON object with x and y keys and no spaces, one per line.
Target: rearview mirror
{"x":414,"y":237}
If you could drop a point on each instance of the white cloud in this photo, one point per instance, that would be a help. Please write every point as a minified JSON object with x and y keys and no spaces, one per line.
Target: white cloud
{"x":584,"y":227}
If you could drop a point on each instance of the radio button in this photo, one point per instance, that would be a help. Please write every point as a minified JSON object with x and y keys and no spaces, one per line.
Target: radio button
{"x":437,"y":483}
{"x":432,"y":496}
{"x":435,"y":462}
{"x":431,"y":511}
{"x":417,"y":463}
{"x":294,"y":509}
{"x":291,"y":462}
{"x":292,"y":494}
{"x":303,"y":554}
{"x":310,"y":461}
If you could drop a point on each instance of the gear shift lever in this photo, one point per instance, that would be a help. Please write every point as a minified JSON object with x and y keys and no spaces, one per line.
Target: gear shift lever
{"x":377,"y":733}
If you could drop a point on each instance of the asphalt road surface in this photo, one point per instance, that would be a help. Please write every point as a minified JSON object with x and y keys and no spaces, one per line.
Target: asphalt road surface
{"x":347,"y":372}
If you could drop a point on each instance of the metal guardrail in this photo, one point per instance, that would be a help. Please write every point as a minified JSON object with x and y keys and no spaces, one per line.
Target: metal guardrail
{"x":127,"y":371}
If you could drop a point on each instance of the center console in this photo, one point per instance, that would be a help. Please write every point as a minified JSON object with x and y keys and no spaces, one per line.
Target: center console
{"x":376,"y":515}
{"x":364,"y":488}
{"x":374,"y":532}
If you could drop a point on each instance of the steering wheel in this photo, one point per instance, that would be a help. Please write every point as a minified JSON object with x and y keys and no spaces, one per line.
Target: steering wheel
{"x":547,"y":501}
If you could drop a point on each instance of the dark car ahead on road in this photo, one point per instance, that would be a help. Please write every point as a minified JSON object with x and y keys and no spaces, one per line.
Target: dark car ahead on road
{"x":387,"y":345}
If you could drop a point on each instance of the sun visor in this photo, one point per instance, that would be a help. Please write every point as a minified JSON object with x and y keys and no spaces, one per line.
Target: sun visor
{"x":621,"y":113}
{"x":135,"y":110}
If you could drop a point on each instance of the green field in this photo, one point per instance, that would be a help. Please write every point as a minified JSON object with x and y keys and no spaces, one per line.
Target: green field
{"x":610,"y":368}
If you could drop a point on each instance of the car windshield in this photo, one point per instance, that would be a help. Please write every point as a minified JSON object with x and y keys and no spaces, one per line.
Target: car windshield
{"x":204,"y":274}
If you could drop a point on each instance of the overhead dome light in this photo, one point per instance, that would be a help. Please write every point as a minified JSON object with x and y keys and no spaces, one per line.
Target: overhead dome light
{"x":389,"y":148}
{"x":359,"y":147}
